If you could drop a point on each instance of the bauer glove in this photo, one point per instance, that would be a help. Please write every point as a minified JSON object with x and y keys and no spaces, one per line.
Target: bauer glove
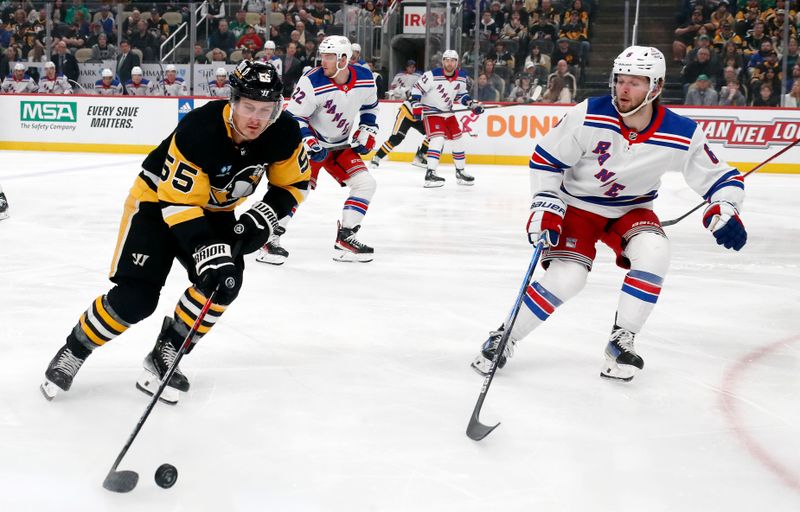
{"x":546,"y":218}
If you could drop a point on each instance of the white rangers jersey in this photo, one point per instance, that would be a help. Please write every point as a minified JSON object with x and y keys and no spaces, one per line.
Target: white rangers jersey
{"x":437,"y":92}
{"x":219,"y":91}
{"x":276,"y":62}
{"x":176,"y":88}
{"x":13,"y":86}
{"x":145,"y":87}
{"x":56,"y":85}
{"x":595,"y":163}
{"x":113,"y":89}
{"x":402,"y":82}
{"x":329,"y":111}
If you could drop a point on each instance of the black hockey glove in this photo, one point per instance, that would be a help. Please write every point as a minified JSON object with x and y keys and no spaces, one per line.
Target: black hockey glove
{"x":255,"y":226}
{"x":216,"y":271}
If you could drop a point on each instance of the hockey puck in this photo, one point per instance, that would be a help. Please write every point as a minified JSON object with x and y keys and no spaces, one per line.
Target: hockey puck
{"x":166,"y":475}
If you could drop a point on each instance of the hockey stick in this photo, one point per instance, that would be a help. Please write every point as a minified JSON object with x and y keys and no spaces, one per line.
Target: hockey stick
{"x":126,"y":480}
{"x":477,"y":430}
{"x":748,"y":173}
{"x":425,"y":114}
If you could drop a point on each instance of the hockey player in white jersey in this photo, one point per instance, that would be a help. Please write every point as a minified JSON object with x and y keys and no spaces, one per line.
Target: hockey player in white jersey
{"x":271,"y":58}
{"x":595,"y":176}
{"x":107,"y":85}
{"x":220,"y":87}
{"x":52,"y":83}
{"x":18,"y":82}
{"x":138,"y":85}
{"x":328,"y":102}
{"x":433,"y":97}
{"x":172,"y":84}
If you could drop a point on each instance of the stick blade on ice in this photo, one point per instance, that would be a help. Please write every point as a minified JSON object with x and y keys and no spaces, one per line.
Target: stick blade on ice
{"x":121,"y":481}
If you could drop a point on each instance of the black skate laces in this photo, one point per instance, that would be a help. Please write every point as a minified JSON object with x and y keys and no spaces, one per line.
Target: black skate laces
{"x":69,"y":362}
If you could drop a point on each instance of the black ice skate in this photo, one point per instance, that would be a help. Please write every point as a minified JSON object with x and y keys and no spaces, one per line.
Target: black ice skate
{"x":483,"y":361}
{"x":432,"y":180}
{"x":3,"y":206}
{"x":272,"y":252}
{"x":349,"y":248}
{"x":60,"y":372}
{"x":622,"y":361}
{"x":420,"y":160}
{"x":464,"y":179}
{"x":157,"y":363}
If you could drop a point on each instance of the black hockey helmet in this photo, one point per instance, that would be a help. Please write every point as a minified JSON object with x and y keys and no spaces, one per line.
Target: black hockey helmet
{"x":258,"y":81}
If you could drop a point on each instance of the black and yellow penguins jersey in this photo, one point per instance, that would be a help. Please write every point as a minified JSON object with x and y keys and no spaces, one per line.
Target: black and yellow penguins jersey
{"x":199,"y":170}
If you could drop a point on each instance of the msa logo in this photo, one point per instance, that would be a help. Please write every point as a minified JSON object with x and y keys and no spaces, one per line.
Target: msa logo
{"x":48,"y":111}
{"x":139,"y":258}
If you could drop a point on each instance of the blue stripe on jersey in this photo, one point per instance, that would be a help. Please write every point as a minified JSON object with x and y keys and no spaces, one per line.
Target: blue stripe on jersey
{"x":675,"y":124}
{"x":368,"y":119}
{"x":534,"y":165}
{"x":366,"y":107}
{"x":601,"y":105}
{"x":667,"y":144}
{"x":602,"y":125}
{"x":727,"y":180}
{"x":616,"y":201}
{"x":550,"y":158}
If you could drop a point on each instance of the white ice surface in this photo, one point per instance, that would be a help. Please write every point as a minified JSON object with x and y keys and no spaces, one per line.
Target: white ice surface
{"x":346,"y":387}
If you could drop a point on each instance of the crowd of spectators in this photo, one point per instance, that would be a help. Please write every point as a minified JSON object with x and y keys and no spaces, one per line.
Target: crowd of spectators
{"x":732,"y":52}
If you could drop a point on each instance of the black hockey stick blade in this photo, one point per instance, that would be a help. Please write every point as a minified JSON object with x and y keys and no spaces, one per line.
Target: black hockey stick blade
{"x":121,"y":481}
{"x":477,"y":430}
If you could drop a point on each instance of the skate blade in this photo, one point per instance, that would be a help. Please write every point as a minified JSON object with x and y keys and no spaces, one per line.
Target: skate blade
{"x":148,"y":384}
{"x":434,"y":184}
{"x":420,"y":164}
{"x":49,"y":390}
{"x":271,"y":259}
{"x":465,"y":182}
{"x":622,"y":372}
{"x":351,"y":257}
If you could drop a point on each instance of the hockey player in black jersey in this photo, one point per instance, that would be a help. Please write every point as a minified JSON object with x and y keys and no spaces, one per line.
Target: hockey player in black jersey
{"x":181,"y":207}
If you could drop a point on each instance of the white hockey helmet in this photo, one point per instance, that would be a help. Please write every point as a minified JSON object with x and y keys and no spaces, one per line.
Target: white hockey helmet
{"x":356,"y":47}
{"x":170,"y":67}
{"x":450,"y":54}
{"x":269,"y":45}
{"x":106,"y":73}
{"x":338,"y":45}
{"x":49,"y":64}
{"x":221,"y":72}
{"x":136,"y":71}
{"x":640,"y":61}
{"x":19,"y":66}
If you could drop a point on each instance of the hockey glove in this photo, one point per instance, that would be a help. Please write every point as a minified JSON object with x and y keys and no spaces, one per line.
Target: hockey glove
{"x":547,"y":216}
{"x":255,"y":226}
{"x":476,"y":107}
{"x":216,"y":270}
{"x":364,"y":139}
{"x":315,"y":151}
{"x":416,"y":111}
{"x":722,"y":219}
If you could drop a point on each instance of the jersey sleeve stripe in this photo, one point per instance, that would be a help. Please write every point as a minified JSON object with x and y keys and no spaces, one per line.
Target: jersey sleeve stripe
{"x":615,"y":201}
{"x":548,"y":158}
{"x":730,"y":179}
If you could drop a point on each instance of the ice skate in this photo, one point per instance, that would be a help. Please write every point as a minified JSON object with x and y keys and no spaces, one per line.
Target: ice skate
{"x":432,"y":180}
{"x":156,"y":365}
{"x":375,"y":162}
{"x":483,"y":361}
{"x":3,"y":206}
{"x":464,"y":179}
{"x":420,"y":160}
{"x":272,"y":252}
{"x":622,"y":362}
{"x":60,"y":372}
{"x":349,"y":248}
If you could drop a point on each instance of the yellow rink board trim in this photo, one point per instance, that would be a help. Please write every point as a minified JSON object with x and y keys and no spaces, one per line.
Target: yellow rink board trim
{"x":521,"y":161}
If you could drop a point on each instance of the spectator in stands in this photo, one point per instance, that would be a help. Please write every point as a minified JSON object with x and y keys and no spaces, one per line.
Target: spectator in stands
{"x":563,"y":51}
{"x":686,"y":34}
{"x":514,"y":30}
{"x":310,"y":51}
{"x":522,"y":91}
{"x":570,"y":82}
{"x":107,"y":85}
{"x":126,"y":62}
{"x":129,"y":26}
{"x":218,"y":56}
{"x":75,"y":34}
{"x":200,"y":54}
{"x":767,"y":75}
{"x":575,"y":30}
{"x":65,"y":62}
{"x":519,"y":9}
{"x":497,"y":82}
{"x":702,"y":41}
{"x":489,"y":30}
{"x":102,"y":50}
{"x":254,"y":6}
{"x":157,"y":26}
{"x":794,"y":75}
{"x":19,"y":82}
{"x":77,"y":6}
{"x":486,"y":92}
{"x":774,"y":26}
{"x":543,"y":29}
{"x":5,"y":35}
{"x":292,"y":69}
{"x":30,"y":48}
{"x":238,"y":26}
{"x":501,"y":56}
{"x":792,"y":55}
{"x":222,"y":38}
{"x":792,"y":99}
{"x":732,"y":56}
{"x":557,"y":91}
{"x":215,"y":10}
{"x":720,"y":15}
{"x":106,"y":20}
{"x":323,"y":17}
{"x":144,"y":41}
{"x":702,"y":66}
{"x":498,"y":14}
{"x":766,"y":97}
{"x":702,"y":92}
{"x":540,"y":62}
{"x":754,"y":40}
{"x":726,"y":35}
{"x":250,"y":40}
{"x":746,"y":21}
{"x":94,"y":35}
{"x":53,"y":83}
{"x":731,"y":94}
{"x":9,"y":55}
{"x":303,"y":34}
{"x":760,"y":56}
{"x":552,"y":13}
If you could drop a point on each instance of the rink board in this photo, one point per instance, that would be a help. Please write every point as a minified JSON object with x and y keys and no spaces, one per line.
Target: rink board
{"x":503,"y":136}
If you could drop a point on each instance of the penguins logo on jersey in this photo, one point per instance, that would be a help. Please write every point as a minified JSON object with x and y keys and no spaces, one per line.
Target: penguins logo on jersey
{"x":241,"y":184}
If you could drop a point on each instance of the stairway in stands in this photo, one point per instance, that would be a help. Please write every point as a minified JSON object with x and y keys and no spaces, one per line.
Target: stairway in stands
{"x":656,"y":28}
